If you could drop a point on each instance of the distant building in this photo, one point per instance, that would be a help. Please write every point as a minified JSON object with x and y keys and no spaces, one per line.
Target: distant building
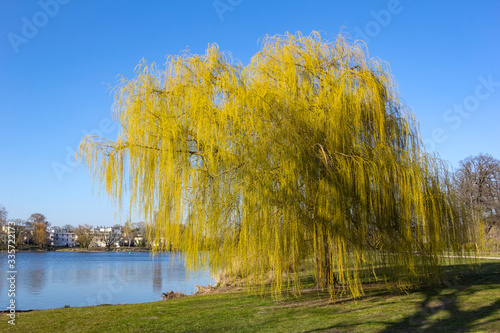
{"x":103,"y":235}
{"x":135,"y":241}
{"x":62,"y":238}
{"x":4,"y":235}
{"x":4,"y":232}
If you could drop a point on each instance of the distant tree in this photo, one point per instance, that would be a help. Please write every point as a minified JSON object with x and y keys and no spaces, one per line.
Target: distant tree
{"x":3,"y":218}
{"x":110,"y":238}
{"x":68,"y":227}
{"x":34,"y":226}
{"x":3,"y":215}
{"x":141,"y":234}
{"x":140,"y":226}
{"x":38,"y":226}
{"x":477,"y":184}
{"x":130,"y":232}
{"x":29,"y":233}
{"x":41,"y":236}
{"x":19,"y":231}
{"x":84,"y":235}
{"x":38,"y":218}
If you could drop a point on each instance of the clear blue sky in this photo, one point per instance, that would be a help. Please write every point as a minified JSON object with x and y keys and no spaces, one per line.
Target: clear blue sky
{"x":58,"y":61}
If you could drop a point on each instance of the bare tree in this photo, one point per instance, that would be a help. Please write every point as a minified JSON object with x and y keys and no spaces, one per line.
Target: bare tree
{"x":3,"y":215}
{"x":130,"y":232}
{"x":19,"y":232}
{"x":110,"y":238}
{"x":29,"y":232}
{"x":141,"y":239}
{"x":477,"y":183}
{"x":68,"y":228}
{"x":56,"y":229}
{"x":38,"y":218}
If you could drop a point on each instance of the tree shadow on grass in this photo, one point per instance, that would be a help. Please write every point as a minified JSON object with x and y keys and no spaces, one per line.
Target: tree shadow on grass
{"x":457,"y":321}
{"x":443,"y":301}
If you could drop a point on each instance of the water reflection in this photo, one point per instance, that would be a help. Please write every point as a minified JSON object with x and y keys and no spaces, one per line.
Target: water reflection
{"x":35,"y":279}
{"x":157,"y":279}
{"x":55,"y":279}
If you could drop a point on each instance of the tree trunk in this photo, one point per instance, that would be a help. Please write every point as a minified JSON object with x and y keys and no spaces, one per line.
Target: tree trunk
{"x":324,"y":265}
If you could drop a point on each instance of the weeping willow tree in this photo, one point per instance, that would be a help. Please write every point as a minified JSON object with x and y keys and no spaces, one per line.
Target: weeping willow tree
{"x":305,"y":158}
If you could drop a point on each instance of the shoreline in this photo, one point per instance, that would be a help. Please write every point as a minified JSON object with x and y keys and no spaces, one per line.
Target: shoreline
{"x":201,"y":290}
{"x":78,"y":249}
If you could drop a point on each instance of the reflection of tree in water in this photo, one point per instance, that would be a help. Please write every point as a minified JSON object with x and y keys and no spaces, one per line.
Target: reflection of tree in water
{"x":157,"y":276}
{"x":36,"y":279}
{"x":131,"y":273}
{"x":83,"y":276}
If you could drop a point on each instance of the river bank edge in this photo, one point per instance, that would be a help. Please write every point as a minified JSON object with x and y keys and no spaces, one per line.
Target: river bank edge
{"x":78,"y":249}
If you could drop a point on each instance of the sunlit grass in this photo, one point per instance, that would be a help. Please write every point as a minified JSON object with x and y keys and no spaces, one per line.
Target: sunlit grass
{"x":470,"y":303}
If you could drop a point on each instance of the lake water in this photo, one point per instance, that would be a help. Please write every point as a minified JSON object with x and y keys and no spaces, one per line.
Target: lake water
{"x":47,"y":280}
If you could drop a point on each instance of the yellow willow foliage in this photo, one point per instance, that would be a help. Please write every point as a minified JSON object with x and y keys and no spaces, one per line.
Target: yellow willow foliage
{"x":303,"y":159}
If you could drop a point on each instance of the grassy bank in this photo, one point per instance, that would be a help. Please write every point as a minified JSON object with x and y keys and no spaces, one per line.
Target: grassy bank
{"x":470,"y":304}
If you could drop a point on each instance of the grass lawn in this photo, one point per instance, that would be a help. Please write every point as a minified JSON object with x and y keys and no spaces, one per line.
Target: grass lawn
{"x":471,"y":304}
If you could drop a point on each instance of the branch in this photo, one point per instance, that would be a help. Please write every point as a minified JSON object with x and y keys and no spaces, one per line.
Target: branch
{"x":233,"y":168}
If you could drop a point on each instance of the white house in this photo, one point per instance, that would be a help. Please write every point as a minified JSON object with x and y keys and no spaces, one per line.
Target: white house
{"x":4,"y":235}
{"x":62,"y":238}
